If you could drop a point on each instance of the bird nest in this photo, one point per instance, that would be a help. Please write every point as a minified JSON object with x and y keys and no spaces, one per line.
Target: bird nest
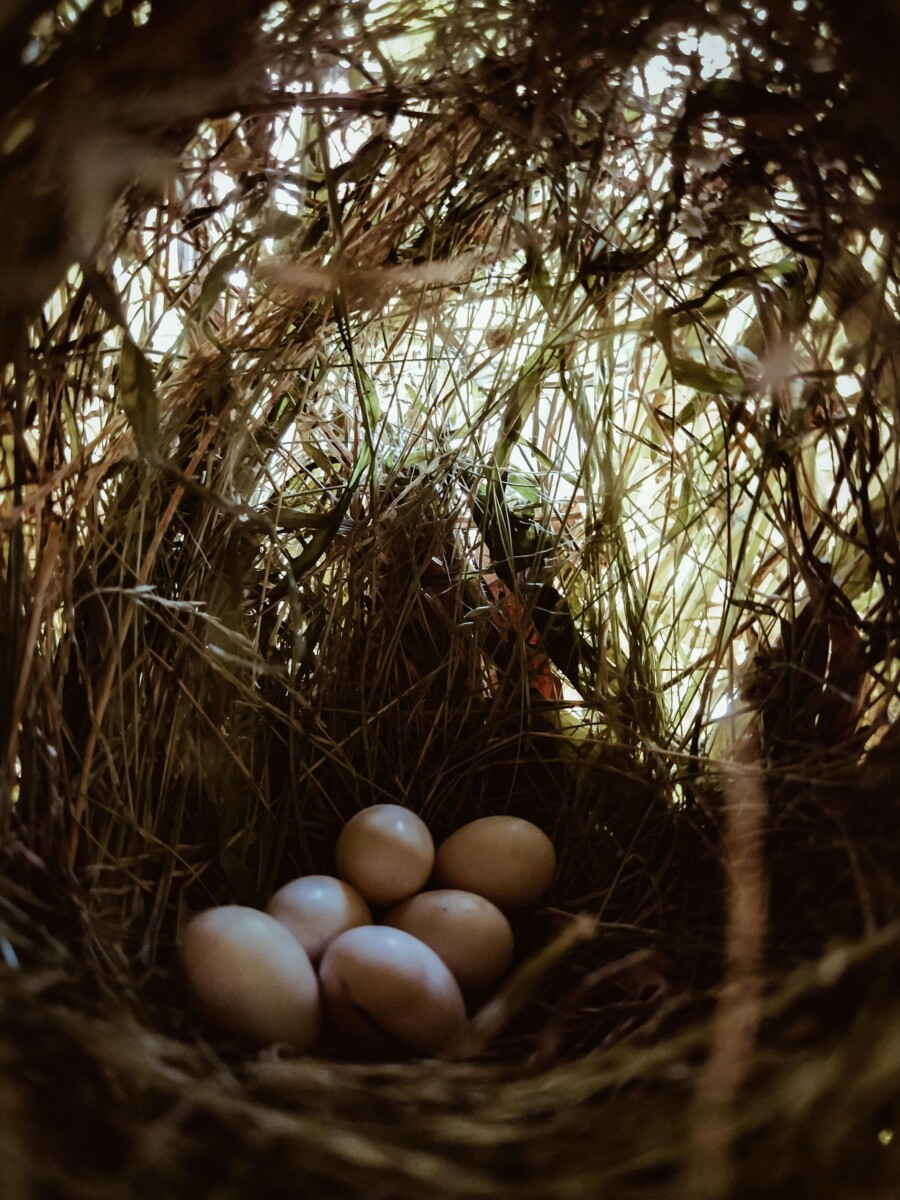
{"x":449,"y":406}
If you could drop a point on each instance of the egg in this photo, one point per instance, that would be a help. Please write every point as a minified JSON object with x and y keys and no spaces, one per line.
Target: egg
{"x":387,"y":991}
{"x":386,"y":853}
{"x":316,"y":908}
{"x":507,"y":860}
{"x":467,"y":932}
{"x":249,"y":975}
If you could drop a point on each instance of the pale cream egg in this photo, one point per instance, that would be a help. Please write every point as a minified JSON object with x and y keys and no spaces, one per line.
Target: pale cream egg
{"x":316,"y":908}
{"x":507,"y":860}
{"x":249,"y":975}
{"x":386,"y":853}
{"x":470,"y":934}
{"x":387,"y":991}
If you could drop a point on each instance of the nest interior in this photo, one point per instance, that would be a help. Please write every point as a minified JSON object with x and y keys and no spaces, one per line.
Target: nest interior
{"x":487,"y":408}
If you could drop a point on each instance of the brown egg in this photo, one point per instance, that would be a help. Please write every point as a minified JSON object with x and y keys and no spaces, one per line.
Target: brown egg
{"x":316,"y":908}
{"x":470,"y":934}
{"x":388,"y":991}
{"x":386,"y":853}
{"x":505,"y":859}
{"x":249,"y":975}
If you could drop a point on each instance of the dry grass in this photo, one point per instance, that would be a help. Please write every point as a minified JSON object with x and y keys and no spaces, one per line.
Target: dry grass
{"x":456,"y":406}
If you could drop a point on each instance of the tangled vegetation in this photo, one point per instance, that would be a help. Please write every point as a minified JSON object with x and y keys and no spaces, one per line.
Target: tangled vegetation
{"x":486,"y":407}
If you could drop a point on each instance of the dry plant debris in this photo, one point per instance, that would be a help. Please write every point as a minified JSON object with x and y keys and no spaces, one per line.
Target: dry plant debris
{"x":484,"y":407}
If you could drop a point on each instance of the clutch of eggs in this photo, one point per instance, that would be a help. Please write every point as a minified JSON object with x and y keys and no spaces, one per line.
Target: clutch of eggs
{"x":399,"y":986}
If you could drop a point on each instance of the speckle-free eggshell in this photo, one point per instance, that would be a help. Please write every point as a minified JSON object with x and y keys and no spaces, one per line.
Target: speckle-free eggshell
{"x":507,"y":860}
{"x":470,"y":934}
{"x":316,"y":909}
{"x":386,"y":853}
{"x":249,"y":975}
{"x":387,"y":990}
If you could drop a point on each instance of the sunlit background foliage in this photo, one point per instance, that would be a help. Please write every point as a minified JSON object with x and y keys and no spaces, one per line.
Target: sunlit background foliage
{"x":611,"y":295}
